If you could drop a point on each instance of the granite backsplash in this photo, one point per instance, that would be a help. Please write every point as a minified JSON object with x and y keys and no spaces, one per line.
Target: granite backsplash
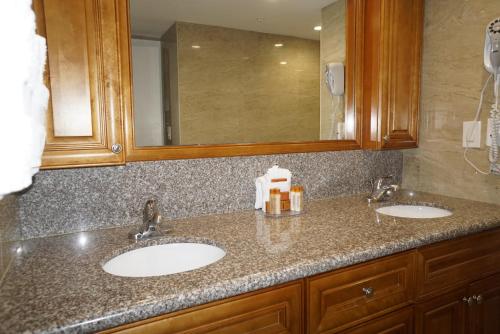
{"x":9,"y":230}
{"x":72,"y":200}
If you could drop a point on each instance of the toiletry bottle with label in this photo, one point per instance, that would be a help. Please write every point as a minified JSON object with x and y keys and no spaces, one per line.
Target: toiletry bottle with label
{"x":297,"y":198}
{"x":275,"y":201}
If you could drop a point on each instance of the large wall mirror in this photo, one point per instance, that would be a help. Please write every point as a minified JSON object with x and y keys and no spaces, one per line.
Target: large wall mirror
{"x":239,"y":77}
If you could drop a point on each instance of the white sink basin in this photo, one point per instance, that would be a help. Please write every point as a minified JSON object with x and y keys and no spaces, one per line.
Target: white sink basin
{"x":164,"y":259}
{"x":414,"y":211}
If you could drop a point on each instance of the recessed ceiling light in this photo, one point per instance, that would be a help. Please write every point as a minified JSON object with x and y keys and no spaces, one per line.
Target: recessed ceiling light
{"x":195,"y":46}
{"x":317,"y":28}
{"x":260,"y":19}
{"x":283,"y":62}
{"x":278,"y":45}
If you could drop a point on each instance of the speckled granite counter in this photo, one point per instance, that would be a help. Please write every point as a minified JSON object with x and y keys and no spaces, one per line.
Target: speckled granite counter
{"x":56,"y":284}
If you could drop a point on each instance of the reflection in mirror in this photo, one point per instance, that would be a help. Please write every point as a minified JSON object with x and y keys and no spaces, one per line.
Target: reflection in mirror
{"x":238,"y":71}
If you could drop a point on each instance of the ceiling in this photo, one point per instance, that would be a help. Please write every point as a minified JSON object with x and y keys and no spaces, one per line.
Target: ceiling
{"x":151,"y":18}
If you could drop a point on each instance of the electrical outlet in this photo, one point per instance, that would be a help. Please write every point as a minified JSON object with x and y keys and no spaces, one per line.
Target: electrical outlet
{"x":472,"y":134}
{"x":488,"y":132}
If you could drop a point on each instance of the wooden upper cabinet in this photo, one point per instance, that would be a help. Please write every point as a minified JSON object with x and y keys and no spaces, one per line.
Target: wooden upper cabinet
{"x":392,"y":63}
{"x":84,"y":118}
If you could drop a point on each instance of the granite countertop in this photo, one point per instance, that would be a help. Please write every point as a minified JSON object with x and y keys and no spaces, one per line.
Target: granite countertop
{"x":57,"y":285}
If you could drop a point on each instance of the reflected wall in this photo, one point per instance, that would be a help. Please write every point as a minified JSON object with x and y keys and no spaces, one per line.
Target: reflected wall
{"x":237,"y":86}
{"x":333,"y":50}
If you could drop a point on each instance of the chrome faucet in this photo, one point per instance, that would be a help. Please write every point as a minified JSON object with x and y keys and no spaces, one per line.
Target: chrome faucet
{"x":382,"y":192}
{"x":151,"y":222}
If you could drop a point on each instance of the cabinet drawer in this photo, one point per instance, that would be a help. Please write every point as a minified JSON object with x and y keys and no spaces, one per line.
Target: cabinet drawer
{"x":399,"y":322}
{"x":450,"y":264}
{"x":353,"y":295}
{"x":275,"y":310}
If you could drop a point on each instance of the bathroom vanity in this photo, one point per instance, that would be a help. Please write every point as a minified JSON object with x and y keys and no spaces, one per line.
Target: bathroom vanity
{"x":448,"y":287}
{"x":343,"y":266}
{"x":338,"y":268}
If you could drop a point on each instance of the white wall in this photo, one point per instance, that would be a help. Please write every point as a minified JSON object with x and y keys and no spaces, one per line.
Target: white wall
{"x":148,"y":108}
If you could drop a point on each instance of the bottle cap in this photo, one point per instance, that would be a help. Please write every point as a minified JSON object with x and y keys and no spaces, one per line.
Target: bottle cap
{"x":275,"y":191}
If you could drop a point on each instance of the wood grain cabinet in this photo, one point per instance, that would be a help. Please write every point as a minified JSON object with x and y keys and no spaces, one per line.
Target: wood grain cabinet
{"x":484,"y":310}
{"x":474,"y":309}
{"x":392,"y":66}
{"x":84,"y":121}
{"x":272,"y":311}
{"x":458,"y":287}
{"x":456,"y":263}
{"x":344,"y":298}
{"x":399,"y":322}
{"x":442,"y":315}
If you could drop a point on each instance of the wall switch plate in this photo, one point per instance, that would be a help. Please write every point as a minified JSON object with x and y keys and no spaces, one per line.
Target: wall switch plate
{"x":472,"y":134}
{"x":488,"y":132}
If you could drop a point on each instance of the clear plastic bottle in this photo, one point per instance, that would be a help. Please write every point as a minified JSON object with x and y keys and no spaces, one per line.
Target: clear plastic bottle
{"x":297,"y":198}
{"x":275,"y":201}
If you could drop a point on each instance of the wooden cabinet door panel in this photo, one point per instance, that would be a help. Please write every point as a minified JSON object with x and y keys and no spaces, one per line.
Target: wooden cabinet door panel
{"x":272,"y":311}
{"x":340,"y":300}
{"x":443,"y":315}
{"x":392,"y":65}
{"x":402,"y":24}
{"x":399,"y":322}
{"x":84,"y":117}
{"x":485,"y":312}
{"x":457,"y":262}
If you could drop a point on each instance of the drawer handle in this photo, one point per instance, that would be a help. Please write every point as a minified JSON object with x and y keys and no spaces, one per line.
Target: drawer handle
{"x":478,"y":299}
{"x":368,"y":291}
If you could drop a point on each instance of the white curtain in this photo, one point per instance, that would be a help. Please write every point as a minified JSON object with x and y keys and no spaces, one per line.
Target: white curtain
{"x":23,"y":100}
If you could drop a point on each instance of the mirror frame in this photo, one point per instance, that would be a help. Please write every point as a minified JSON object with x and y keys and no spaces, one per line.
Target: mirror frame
{"x":353,"y":103}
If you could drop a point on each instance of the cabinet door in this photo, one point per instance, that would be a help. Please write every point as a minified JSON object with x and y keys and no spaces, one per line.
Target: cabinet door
{"x":399,"y":322}
{"x":272,"y":311}
{"x":485,"y":311}
{"x":442,"y":315}
{"x":84,"y":118}
{"x":393,"y":40}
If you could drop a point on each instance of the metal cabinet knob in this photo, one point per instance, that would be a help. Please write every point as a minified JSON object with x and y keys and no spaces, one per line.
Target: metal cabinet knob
{"x":116,"y":148}
{"x":478,"y":299}
{"x":386,"y":138}
{"x":468,"y":300}
{"x":368,"y":291}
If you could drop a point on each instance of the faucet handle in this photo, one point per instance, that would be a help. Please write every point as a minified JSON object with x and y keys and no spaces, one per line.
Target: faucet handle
{"x":150,"y":210}
{"x":377,"y":183}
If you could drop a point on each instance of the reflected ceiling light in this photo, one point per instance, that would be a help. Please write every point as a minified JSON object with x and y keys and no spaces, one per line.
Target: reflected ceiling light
{"x":82,"y":240}
{"x":195,"y":46}
{"x":283,"y":62}
{"x":278,"y":45}
{"x":317,"y":28}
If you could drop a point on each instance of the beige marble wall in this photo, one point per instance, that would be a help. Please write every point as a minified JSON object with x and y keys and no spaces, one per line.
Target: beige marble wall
{"x":233,"y":89}
{"x":453,"y":75}
{"x":333,"y":50}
